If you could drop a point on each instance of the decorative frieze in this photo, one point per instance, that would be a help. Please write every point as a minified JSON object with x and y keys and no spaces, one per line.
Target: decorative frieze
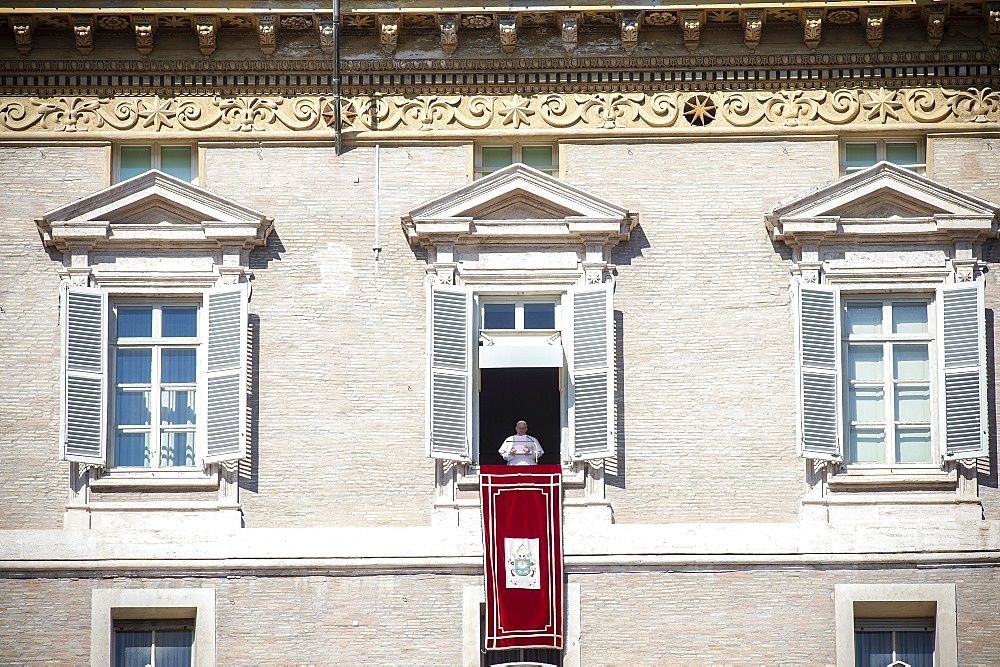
{"x":605,"y":112}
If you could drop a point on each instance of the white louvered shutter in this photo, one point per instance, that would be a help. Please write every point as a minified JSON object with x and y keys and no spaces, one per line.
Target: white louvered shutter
{"x":963,"y":370}
{"x":226,"y":403}
{"x":449,"y":345}
{"x":591,"y":362}
{"x":818,"y":357}
{"x":85,"y":374}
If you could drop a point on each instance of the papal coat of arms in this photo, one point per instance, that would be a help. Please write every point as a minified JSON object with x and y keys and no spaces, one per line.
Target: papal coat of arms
{"x":521,"y":558}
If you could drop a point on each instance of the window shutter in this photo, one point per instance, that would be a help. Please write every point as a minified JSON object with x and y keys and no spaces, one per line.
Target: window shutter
{"x":591,"y":357}
{"x":450,"y":373}
{"x":84,"y":382}
{"x":818,"y":358}
{"x":225,"y":415}
{"x":963,"y":370}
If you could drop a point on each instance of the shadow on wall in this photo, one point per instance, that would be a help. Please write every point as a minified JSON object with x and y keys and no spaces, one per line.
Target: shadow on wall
{"x":987,"y":468}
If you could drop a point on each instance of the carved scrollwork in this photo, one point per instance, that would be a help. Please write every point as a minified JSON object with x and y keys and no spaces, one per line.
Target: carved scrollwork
{"x":556,"y":112}
{"x":976,"y":105}
{"x":427,"y":110}
{"x":840,"y":107}
{"x":661,"y":110}
{"x":609,"y":107}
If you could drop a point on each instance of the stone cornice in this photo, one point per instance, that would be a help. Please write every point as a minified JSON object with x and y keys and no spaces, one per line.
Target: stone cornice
{"x":456,"y":116}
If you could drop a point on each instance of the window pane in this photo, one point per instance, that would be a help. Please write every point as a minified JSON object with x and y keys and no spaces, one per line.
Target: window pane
{"x":909,"y":318}
{"x":915,"y":648}
{"x":133,"y":648}
{"x":864,"y":363}
{"x":177,"y":449}
{"x":866,"y":405}
{"x":496,"y":157}
{"x":178,"y":366}
{"x":176,"y":161}
{"x":860,"y":155}
{"x":131,"y":408}
{"x":539,"y":316}
{"x":864,"y":318}
{"x":179,"y":322}
{"x":872,"y":649}
{"x":498,"y":316}
{"x":133,"y":365}
{"x":910,"y":362}
{"x":177,"y":407}
{"x":867,"y":446}
{"x":905,"y":153}
{"x":173,"y":648}
{"x":132,"y":449}
{"x":134,"y":321}
{"x":135,"y":160}
{"x":539,"y":157}
{"x":913,"y":446}
{"x":913,"y":405}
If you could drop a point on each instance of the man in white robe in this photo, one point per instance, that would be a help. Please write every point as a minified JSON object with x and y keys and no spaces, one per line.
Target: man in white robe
{"x":521,"y":449}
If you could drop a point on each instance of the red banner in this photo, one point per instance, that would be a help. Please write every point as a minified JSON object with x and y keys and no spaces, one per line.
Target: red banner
{"x":522,"y":529}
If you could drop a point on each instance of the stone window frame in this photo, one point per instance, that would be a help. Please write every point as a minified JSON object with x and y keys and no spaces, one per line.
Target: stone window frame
{"x":154,"y":236}
{"x":474,"y":613}
{"x":110,"y":604}
{"x":831,"y":232}
{"x":897,"y":601}
{"x":468,"y":236}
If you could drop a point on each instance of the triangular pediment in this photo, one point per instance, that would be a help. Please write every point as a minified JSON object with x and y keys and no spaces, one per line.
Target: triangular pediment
{"x":154,"y":206}
{"x":518,"y":201}
{"x":883,"y":199}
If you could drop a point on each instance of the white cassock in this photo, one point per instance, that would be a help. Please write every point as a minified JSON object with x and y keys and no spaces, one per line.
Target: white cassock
{"x":521,"y":450}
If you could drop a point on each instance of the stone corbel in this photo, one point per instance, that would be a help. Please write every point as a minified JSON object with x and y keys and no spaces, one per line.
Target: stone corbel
{"x":812,"y":27}
{"x":993,"y":19}
{"x":935,"y":25}
{"x":753,"y":26}
{"x":569,"y":25}
{"x":388,"y":33}
{"x":324,"y":26}
{"x":448,"y":25}
{"x":507,"y":24}
{"x":267,"y":32}
{"x":874,"y":26}
{"x":691,"y":23}
{"x":628,"y":22}
{"x":24,"y":30}
{"x":144,"y":27}
{"x":83,"y":33}
{"x":207,"y":29}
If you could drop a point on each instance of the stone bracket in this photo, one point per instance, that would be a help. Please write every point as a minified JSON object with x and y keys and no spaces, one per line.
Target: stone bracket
{"x":935,"y":24}
{"x":388,"y":33}
{"x":753,"y":24}
{"x":628,"y":22}
{"x":691,"y":23}
{"x":569,"y":26}
{"x":24,"y":30}
{"x":144,"y":27}
{"x":207,"y":29}
{"x":267,"y":29}
{"x":874,"y":26}
{"x":448,"y":25}
{"x":812,"y":27}
{"x":83,"y":33}
{"x":507,"y":25}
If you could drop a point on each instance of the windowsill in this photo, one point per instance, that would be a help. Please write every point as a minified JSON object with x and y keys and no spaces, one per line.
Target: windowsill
{"x":571,"y":476}
{"x":158,"y":479}
{"x":899,"y":476}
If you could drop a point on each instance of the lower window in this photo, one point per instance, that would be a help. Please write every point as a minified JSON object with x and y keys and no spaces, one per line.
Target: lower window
{"x":890,"y":642}
{"x":153,"y":644}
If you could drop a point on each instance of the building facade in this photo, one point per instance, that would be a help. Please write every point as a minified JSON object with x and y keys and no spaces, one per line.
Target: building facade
{"x":277,"y":278}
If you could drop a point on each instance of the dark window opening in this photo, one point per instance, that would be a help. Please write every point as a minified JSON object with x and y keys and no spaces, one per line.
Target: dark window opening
{"x":508,"y":395}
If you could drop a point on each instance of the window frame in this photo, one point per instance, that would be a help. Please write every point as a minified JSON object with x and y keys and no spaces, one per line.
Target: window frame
{"x":517,"y":152}
{"x":881,"y":151}
{"x":156,"y":343}
{"x":156,"y":158}
{"x":853,"y":601}
{"x":152,"y":604}
{"x":888,"y":341}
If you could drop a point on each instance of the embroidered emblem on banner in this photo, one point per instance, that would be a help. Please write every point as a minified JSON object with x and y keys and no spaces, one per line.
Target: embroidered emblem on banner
{"x":521,"y":557}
